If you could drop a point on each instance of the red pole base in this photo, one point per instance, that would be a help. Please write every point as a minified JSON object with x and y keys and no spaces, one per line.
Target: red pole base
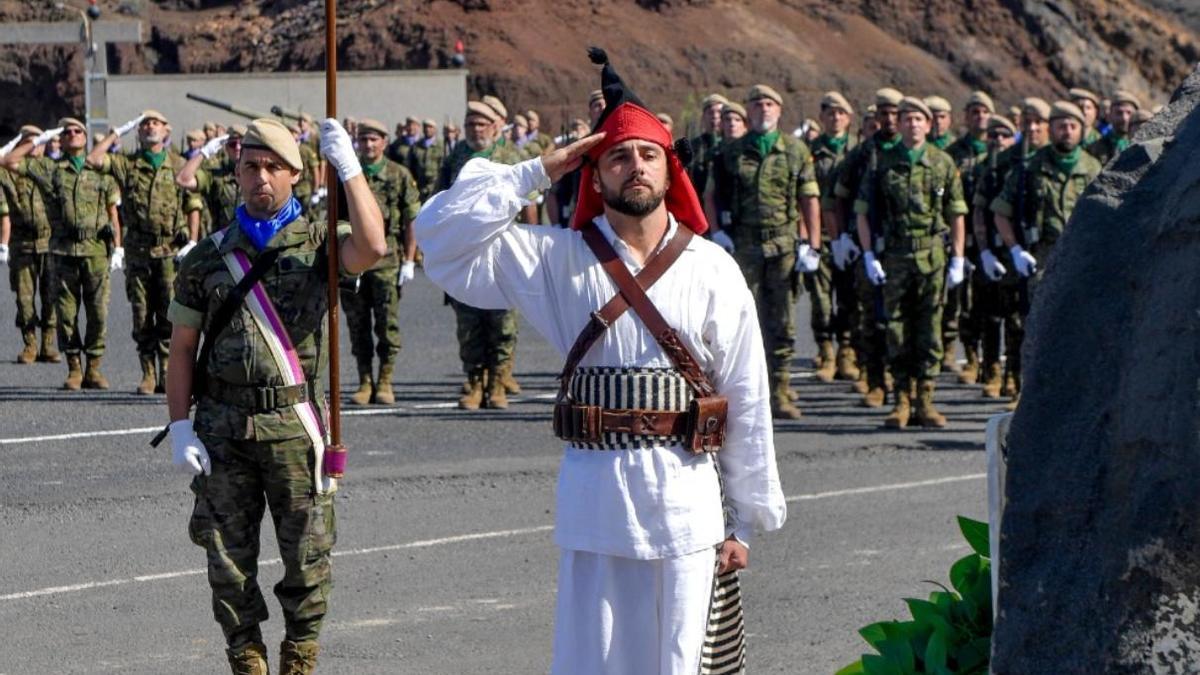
{"x":334,"y":463}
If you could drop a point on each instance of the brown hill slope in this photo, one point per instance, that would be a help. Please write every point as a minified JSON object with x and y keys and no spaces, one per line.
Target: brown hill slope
{"x":531,"y":52}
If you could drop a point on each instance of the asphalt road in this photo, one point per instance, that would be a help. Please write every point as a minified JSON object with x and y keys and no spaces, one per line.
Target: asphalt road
{"x":445,"y":562}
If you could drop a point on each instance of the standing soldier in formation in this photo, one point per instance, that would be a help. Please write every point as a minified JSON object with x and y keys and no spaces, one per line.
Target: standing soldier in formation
{"x":1123,"y":108}
{"x":536,"y":135}
{"x":1089,"y":103}
{"x":960,"y":320}
{"x":26,"y":242}
{"x":376,"y":300}
{"x":705,"y":145}
{"x":831,"y":288}
{"x":212,"y":174}
{"x":941,"y":129}
{"x":399,"y":149}
{"x":1033,"y":209}
{"x":486,"y":337}
{"x":871,"y":341}
{"x":916,"y":196}
{"x":426,"y":159}
{"x":155,"y":228}
{"x":308,"y":191}
{"x":81,"y":205}
{"x":776,"y":230}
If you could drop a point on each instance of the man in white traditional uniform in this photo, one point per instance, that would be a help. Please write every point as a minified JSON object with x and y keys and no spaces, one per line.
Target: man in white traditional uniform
{"x":649,"y":513}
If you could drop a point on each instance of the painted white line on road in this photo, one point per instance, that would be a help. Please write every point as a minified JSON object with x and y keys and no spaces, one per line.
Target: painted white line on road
{"x":456,"y":539}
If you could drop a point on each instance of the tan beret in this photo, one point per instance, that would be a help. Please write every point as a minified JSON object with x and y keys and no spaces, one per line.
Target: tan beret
{"x":713,"y":99}
{"x":760,"y":91}
{"x":1014,"y":111}
{"x":1001,"y":122}
{"x":195,"y":135}
{"x":981,"y":98}
{"x":368,"y":125}
{"x":665,"y":118}
{"x":305,"y":117}
{"x":270,"y":134}
{"x":495,"y":104}
{"x":209,"y":126}
{"x":520,"y":120}
{"x":735,"y":108}
{"x":595,"y":95}
{"x":237,"y":130}
{"x":30,"y":130}
{"x":1067,"y":109}
{"x":1124,"y":96}
{"x":451,"y":126}
{"x":71,"y":122}
{"x":1142,"y":116}
{"x":914,"y":104}
{"x":1035,"y":107}
{"x":532,"y":115}
{"x":411,"y":120}
{"x":428,"y":122}
{"x":813,"y":124}
{"x":154,"y":115}
{"x":1078,"y":93}
{"x":887,"y":96}
{"x":938,"y":104}
{"x":481,"y":109}
{"x":834,"y":99}
{"x":871,"y":109}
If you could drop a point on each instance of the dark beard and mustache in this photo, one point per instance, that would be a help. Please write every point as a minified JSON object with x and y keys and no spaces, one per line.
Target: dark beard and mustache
{"x":636,"y":205}
{"x":1066,"y":147}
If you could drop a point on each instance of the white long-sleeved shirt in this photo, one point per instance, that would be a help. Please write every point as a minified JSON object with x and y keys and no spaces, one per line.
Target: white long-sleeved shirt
{"x":652,"y":503}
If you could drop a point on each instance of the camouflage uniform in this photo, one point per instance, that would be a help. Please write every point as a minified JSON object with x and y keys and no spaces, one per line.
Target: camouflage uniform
{"x":377,"y":296}
{"x":704,"y":147}
{"x":487,"y":338}
{"x":261,"y":457}
{"x":30,"y":267}
{"x":764,"y":195}
{"x":77,"y":202}
{"x":217,"y":185}
{"x":916,"y":202}
{"x":1108,"y":146}
{"x":831,"y":291}
{"x":400,"y":151}
{"x":960,"y":313}
{"x":303,"y":190}
{"x":425,"y":163}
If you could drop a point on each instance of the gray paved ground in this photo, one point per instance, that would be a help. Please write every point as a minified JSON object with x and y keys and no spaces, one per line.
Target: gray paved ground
{"x":97,"y":574}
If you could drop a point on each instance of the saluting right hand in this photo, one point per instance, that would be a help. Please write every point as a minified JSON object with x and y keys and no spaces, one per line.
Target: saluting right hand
{"x":47,"y":136}
{"x":563,"y":161}
{"x":129,"y":126}
{"x":212,"y":147}
{"x":8,"y":147}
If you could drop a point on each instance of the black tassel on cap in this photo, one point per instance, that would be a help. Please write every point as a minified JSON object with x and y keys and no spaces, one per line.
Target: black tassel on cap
{"x":683,"y":150}
{"x":615,"y":91}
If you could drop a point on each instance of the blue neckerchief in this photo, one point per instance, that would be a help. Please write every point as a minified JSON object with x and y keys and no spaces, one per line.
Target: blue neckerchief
{"x":428,"y":141}
{"x":261,"y":231}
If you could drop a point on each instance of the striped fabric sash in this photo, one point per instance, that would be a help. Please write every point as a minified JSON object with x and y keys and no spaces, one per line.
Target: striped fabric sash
{"x":279,"y":343}
{"x":724,"y":650}
{"x":662,"y":389}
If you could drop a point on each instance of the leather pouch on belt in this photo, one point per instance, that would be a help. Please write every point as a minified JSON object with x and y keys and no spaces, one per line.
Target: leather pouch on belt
{"x":707,"y":416}
{"x":577,"y":423}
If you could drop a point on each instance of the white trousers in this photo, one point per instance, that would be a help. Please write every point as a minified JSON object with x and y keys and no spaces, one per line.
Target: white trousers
{"x":620,"y":616}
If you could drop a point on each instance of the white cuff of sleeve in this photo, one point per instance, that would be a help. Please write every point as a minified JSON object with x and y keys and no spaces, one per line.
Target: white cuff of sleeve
{"x":743,"y":534}
{"x":531,"y":176}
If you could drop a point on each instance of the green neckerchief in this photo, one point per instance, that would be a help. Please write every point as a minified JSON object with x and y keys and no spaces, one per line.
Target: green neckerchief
{"x":888,"y":143}
{"x":77,"y":162}
{"x":156,"y":159}
{"x":486,"y":154}
{"x":1066,"y":163}
{"x":942,"y":141}
{"x":978,"y":146}
{"x":1120,"y":142}
{"x":764,"y":142}
{"x":373,"y":170}
{"x":836,"y":144}
{"x":914,"y":154}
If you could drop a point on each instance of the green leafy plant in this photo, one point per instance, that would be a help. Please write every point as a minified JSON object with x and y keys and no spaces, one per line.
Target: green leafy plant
{"x":950,"y":633}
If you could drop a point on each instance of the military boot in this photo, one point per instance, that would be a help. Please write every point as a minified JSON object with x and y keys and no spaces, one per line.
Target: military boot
{"x":29,"y":353}
{"x":847,"y":368}
{"x":898,"y":418}
{"x":927,"y":414}
{"x":249,"y":660}
{"x":828,"y":362}
{"x":970,"y":371}
{"x":298,"y":658}
{"x":782,"y":407}
{"x":384,"y":393}
{"x":1010,"y":384}
{"x":474,"y":396}
{"x":146,"y":386}
{"x":510,"y":383}
{"x":74,"y":373}
{"x":160,"y":385}
{"x":889,"y":381}
{"x":949,"y":359}
{"x":366,"y":388}
{"x":49,"y":353}
{"x":860,"y":386}
{"x":497,"y":396}
{"x":993,"y":378}
{"x":92,"y":377}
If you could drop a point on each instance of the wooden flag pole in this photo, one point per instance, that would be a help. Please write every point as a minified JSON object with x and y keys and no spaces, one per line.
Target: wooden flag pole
{"x":335,"y":446}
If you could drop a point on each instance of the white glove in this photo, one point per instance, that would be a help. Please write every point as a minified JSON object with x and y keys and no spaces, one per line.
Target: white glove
{"x":807,"y":260}
{"x":957,"y":271}
{"x":187,"y":452}
{"x":1025,"y":264}
{"x":118,"y":259}
{"x":337,"y":147}
{"x":3,"y":254}
{"x":130,"y":125}
{"x":992,"y":269}
{"x":837,"y":248}
{"x":874,"y":268}
{"x":8,"y":147}
{"x":187,"y":248}
{"x":47,"y":136}
{"x":853,"y":252}
{"x":408,"y":272}
{"x":214,"y":146}
{"x":721,"y":239}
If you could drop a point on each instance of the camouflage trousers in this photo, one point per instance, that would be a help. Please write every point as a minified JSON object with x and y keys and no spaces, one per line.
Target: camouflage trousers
{"x":487,"y":338}
{"x":870,"y":338}
{"x":913,"y":298}
{"x":32,"y":278}
{"x":774,"y":284}
{"x":377,"y":301}
{"x":833,"y":301}
{"x":83,"y":284}
{"x":248,"y":477}
{"x":150,"y":287}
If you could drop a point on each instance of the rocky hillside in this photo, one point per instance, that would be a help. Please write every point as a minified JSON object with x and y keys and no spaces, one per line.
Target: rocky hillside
{"x":672,"y":51}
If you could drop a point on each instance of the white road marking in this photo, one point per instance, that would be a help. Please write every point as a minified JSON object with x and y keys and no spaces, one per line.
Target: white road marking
{"x":443,"y":541}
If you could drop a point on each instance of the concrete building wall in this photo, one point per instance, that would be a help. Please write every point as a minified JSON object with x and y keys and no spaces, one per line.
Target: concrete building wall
{"x":388,"y":96}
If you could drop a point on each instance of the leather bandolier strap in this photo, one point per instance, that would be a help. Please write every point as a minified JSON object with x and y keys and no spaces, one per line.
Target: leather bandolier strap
{"x":703,"y":424}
